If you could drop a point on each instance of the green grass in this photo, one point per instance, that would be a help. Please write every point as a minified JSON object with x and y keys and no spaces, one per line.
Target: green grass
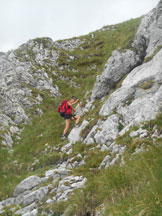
{"x":150,"y":125}
{"x":133,"y":189}
{"x":45,"y":129}
{"x":96,"y":51}
{"x":147,"y":85}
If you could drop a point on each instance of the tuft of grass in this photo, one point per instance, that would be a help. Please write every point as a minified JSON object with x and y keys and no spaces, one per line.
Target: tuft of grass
{"x":120,"y":126}
{"x":146,"y":85}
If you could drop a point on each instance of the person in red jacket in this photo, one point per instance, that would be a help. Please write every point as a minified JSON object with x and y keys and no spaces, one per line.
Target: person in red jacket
{"x":69,"y":115}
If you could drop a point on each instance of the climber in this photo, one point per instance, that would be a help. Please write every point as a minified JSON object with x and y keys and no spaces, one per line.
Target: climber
{"x":69,"y":116}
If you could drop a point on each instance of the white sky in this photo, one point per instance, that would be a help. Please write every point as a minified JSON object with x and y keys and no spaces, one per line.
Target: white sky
{"x":21,"y":20}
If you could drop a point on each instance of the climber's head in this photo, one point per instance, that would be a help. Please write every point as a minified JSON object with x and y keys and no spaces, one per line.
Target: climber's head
{"x":73,"y":99}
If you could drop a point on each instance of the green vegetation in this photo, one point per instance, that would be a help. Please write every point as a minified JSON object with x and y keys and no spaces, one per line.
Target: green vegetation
{"x":91,"y":56}
{"x":151,"y":124}
{"x":132,"y":189}
{"x":146,"y":85}
{"x":133,"y":142}
{"x":129,"y":190}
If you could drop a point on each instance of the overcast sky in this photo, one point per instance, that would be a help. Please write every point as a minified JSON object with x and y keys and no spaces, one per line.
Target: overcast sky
{"x":21,"y":20}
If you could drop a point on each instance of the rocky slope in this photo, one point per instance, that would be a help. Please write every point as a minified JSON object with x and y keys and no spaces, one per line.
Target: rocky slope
{"x":23,"y":77}
{"x":121,"y":119}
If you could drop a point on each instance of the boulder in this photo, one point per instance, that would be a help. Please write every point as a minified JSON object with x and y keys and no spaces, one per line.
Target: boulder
{"x":57,"y":172}
{"x":74,"y":135}
{"x":105,"y":131}
{"x":141,"y":107}
{"x":35,"y":196}
{"x":108,"y":131}
{"x":148,"y":36}
{"x":117,"y":66}
{"x":27,"y":184}
{"x":7,"y":202}
{"x":67,"y":185}
{"x":27,"y":209}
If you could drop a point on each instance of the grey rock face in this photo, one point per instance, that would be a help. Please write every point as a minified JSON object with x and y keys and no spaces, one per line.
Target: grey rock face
{"x":57,"y":173}
{"x":147,"y":40}
{"x":34,"y":212}
{"x":144,"y":107}
{"x":117,"y":66}
{"x":18,"y":74}
{"x":108,"y":131}
{"x":67,"y":185}
{"x":7,"y":202}
{"x":26,"y":209}
{"x":148,"y":36}
{"x":27,"y":184}
{"x":104,"y":132}
{"x":27,"y":195}
{"x":68,"y":44}
{"x":74,"y":135}
{"x":35,"y":196}
{"x":108,"y":160}
{"x":8,"y":142}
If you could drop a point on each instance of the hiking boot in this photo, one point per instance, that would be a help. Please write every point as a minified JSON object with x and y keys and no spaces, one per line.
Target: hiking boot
{"x":63,"y":137}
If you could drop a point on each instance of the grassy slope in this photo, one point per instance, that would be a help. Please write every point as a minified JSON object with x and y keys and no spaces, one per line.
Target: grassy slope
{"x":109,"y":186}
{"x":128,"y":190}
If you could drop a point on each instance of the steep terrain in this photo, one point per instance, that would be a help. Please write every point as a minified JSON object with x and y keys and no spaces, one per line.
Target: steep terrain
{"x":111,"y":164}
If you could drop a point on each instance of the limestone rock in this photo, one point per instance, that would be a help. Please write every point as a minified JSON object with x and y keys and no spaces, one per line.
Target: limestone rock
{"x":117,"y":66}
{"x":34,"y":212}
{"x":105,"y":131}
{"x":90,"y":137}
{"x":7,"y":202}
{"x":109,"y":160}
{"x":18,"y":75}
{"x":143,"y":107}
{"x":35,"y":196}
{"x":67,"y":185}
{"x":148,"y":36}
{"x":26,"y":209}
{"x":69,"y":45}
{"x":146,"y":41}
{"x":27,"y":184}
{"x":108,"y":131}
{"x":57,"y":173}
{"x":74,"y":135}
{"x":7,"y":140}
{"x":66,"y":147}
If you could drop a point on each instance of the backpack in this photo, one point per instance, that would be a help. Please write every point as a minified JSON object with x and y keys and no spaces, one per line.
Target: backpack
{"x":63,"y":108}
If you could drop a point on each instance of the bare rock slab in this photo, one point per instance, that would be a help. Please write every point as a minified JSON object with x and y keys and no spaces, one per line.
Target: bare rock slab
{"x":27,"y":184}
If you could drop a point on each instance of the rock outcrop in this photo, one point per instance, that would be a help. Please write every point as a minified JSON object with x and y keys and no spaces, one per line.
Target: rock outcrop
{"x":148,"y":36}
{"x":18,"y":82}
{"x":118,"y":65}
{"x":29,"y":193}
{"x":144,"y":103}
{"x":146,"y":41}
{"x":139,"y":97}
